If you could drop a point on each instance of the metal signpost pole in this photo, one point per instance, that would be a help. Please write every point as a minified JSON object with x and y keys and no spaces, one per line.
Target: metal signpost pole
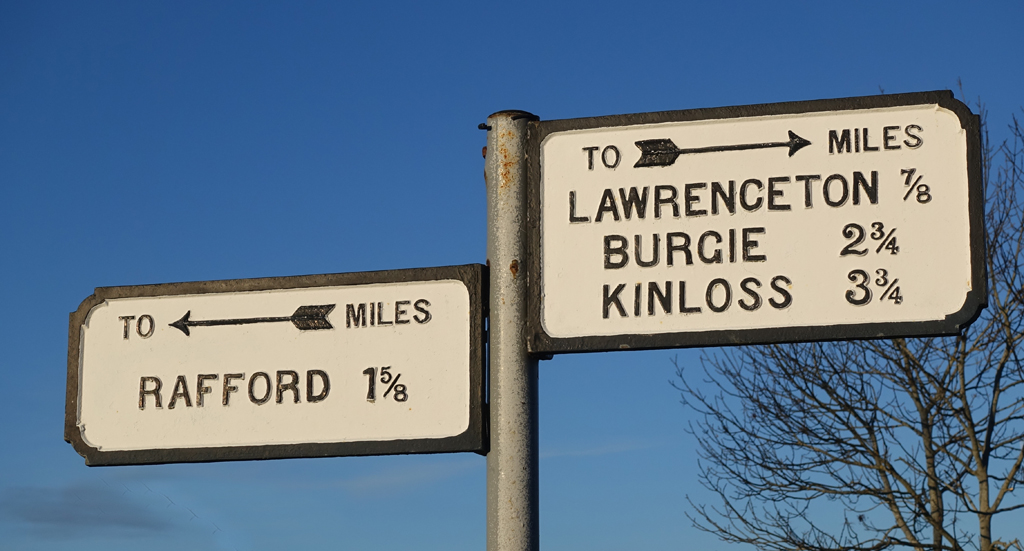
{"x":512,"y":487}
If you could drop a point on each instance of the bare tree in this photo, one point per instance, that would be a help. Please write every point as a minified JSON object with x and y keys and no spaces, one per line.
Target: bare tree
{"x":877,"y":444}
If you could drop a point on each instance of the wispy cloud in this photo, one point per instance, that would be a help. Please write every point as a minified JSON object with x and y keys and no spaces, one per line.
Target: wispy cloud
{"x":81,"y":509}
{"x":105,"y":510}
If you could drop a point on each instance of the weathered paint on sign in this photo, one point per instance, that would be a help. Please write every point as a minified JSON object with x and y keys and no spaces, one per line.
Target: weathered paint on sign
{"x":344,"y":364}
{"x":802,"y":221}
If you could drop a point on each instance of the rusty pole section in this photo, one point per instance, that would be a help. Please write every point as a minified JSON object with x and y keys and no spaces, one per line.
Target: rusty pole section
{"x":512,"y":486}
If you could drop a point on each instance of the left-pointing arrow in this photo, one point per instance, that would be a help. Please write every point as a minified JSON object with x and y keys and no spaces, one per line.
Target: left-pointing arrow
{"x":306,"y":318}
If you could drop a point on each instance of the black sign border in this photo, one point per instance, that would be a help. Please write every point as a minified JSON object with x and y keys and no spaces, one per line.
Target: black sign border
{"x":539,"y":342}
{"x":474,"y":439}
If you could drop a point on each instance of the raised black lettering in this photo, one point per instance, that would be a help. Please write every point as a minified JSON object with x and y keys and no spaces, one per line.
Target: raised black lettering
{"x":732,"y":245}
{"x":638,"y":241}
{"x":917,"y":139}
{"x":155,"y":391}
{"x":717,"y":257}
{"x":636,"y":299}
{"x":421,"y":307}
{"x":828,"y":185}
{"x":355,"y":315}
{"x":607,"y":205}
{"x":150,"y":327}
{"x":619,"y":251}
{"x":635,"y":200}
{"x":399,"y":312}
{"x":201,"y":388}
{"x":380,"y":315}
{"x":180,"y":391}
{"x":689,"y":199}
{"x":750,"y":244}
{"x":670,"y":200}
{"x":228,"y":387}
{"x":683,"y":309}
{"x":866,"y":146}
{"x":573,"y":219}
{"x":745,"y":285}
{"x":615,"y":154}
{"x":613,"y":299}
{"x":787,"y":298}
{"x":871,"y":190}
{"x":808,"y":180}
{"x":837,"y":143}
{"x":672,"y":247}
{"x":267,"y":385}
{"x":750,"y":207}
{"x":127,"y":324}
{"x":291,"y":385}
{"x":709,"y":297}
{"x":776,"y":193}
{"x":325,"y":386}
{"x":888,"y":137}
{"x":590,"y":156}
{"x":729,"y":199}
{"x":664,"y":299}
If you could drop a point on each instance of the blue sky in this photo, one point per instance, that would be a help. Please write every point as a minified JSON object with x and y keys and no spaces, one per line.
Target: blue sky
{"x":151,"y":142}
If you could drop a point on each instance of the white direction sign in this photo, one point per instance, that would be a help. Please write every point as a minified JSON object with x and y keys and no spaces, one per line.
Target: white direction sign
{"x":327,"y":365}
{"x":817,"y":220}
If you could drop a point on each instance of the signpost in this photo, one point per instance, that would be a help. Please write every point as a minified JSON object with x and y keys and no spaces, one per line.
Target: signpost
{"x":818,"y":220}
{"x":329,"y":365}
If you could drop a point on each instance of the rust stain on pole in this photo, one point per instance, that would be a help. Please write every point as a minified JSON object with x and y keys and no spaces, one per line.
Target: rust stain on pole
{"x":512,"y":487}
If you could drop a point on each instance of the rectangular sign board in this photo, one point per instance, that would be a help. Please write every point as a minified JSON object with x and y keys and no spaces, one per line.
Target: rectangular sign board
{"x":818,"y":220}
{"x":367,"y":363}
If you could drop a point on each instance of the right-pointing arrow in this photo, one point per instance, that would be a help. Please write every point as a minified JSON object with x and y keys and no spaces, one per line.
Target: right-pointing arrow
{"x":663,"y":152}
